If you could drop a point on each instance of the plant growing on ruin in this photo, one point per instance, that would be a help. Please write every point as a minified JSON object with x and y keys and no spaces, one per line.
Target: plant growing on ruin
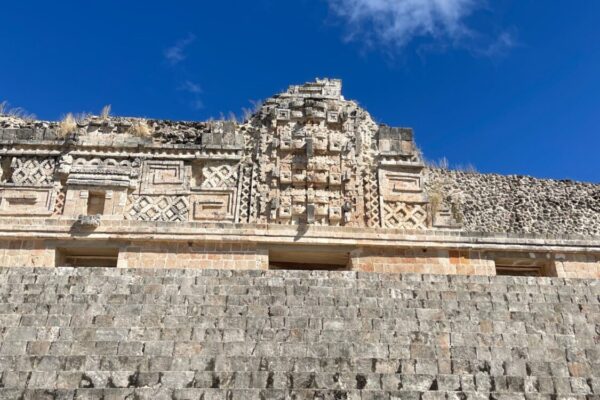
{"x":140,"y":128}
{"x":15,"y":112}
{"x":105,"y":114}
{"x":67,"y":125}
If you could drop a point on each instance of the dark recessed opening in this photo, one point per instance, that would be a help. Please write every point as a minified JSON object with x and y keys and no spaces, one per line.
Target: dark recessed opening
{"x":308,"y":258}
{"x":5,"y":169}
{"x":305,"y":266}
{"x":87,"y":257}
{"x":519,"y":271}
{"x":523,"y":264}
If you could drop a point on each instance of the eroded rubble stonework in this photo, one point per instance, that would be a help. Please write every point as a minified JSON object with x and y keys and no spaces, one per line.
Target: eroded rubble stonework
{"x":309,"y":178}
{"x":497,"y":203}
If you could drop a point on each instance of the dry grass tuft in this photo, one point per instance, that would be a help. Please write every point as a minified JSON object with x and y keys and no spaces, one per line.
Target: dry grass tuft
{"x":15,"y":112}
{"x":248,"y":112}
{"x":140,"y":128}
{"x":67,"y":125}
{"x":105,"y":114}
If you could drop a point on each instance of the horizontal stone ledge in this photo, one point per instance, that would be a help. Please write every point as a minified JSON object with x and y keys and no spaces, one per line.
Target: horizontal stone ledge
{"x":124,"y":230}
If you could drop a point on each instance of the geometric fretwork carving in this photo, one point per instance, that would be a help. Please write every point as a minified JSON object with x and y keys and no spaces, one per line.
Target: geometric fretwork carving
{"x":219,"y":175}
{"x":164,"y":176}
{"x":398,"y":214}
{"x":245,"y":194}
{"x":32,"y":171}
{"x":158,"y":208}
{"x":371,"y":199}
{"x":59,"y":202}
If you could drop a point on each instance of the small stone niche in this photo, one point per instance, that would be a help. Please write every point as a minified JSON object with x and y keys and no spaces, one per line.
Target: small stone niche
{"x":95,"y":203}
{"x":87,"y":257}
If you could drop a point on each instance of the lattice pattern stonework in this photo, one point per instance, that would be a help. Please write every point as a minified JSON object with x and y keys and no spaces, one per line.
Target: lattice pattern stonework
{"x":216,"y":176}
{"x":245,"y":193}
{"x":33,"y":171}
{"x":59,"y":203}
{"x":158,"y":208}
{"x":371,"y":199}
{"x":398,"y":214}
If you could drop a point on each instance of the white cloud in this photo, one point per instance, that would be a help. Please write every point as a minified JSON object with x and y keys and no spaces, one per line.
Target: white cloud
{"x":397,"y":22}
{"x":191,"y":87}
{"x":176,"y":53}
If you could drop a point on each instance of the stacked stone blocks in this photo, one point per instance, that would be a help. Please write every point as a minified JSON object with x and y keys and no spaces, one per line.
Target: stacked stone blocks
{"x":91,"y":333}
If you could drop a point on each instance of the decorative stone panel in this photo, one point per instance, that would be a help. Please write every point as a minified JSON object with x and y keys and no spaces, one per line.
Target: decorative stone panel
{"x":217,"y":175}
{"x":398,"y":214}
{"x":28,"y":201}
{"x":103,"y":172}
{"x":213,"y":205}
{"x":158,"y":208}
{"x":32,"y":171}
{"x":162,"y":177}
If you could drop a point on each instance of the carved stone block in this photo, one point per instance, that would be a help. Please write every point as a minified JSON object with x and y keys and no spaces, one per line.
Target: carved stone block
{"x":216,"y":175}
{"x":397,"y":214}
{"x":395,"y":183}
{"x":285,"y":174}
{"x":161,"y":176}
{"x":32,"y":171}
{"x":213,"y":206}
{"x":158,"y":208}
{"x":283,"y":114}
{"x":26,"y":201}
{"x":333,"y":117}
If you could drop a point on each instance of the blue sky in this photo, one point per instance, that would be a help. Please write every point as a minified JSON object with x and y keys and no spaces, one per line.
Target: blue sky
{"x":508,"y":86}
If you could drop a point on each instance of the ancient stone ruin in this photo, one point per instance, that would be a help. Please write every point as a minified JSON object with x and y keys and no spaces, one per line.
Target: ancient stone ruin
{"x":305,"y":253}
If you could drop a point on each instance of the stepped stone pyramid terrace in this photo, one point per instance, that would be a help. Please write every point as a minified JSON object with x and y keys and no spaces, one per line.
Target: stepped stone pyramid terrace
{"x":304,"y":253}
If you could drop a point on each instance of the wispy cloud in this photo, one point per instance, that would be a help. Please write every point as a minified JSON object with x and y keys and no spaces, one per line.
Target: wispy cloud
{"x":176,"y":53}
{"x":194,"y":90}
{"x":190,"y":87}
{"x":395,"y":23}
{"x":190,"y":90}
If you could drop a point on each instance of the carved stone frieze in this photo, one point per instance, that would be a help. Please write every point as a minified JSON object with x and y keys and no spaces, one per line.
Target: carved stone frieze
{"x":32,"y":171}
{"x":398,"y":214}
{"x":158,"y":208}
{"x":107,"y":172}
{"x":306,"y":156}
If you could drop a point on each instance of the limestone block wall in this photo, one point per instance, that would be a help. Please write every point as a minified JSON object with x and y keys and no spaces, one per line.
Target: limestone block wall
{"x":578,"y":266}
{"x":520,"y":204}
{"x":94,"y":333}
{"x":423,"y":261}
{"x":196,"y":256}
{"x":26,"y":253}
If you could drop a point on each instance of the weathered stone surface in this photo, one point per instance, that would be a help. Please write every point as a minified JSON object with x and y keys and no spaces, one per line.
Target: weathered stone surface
{"x":308,"y":180}
{"x":520,"y":204}
{"x":185,"y":334}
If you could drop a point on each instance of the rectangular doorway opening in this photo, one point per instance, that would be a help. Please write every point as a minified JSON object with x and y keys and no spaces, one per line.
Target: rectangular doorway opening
{"x":309,"y":258}
{"x":87,"y":257}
